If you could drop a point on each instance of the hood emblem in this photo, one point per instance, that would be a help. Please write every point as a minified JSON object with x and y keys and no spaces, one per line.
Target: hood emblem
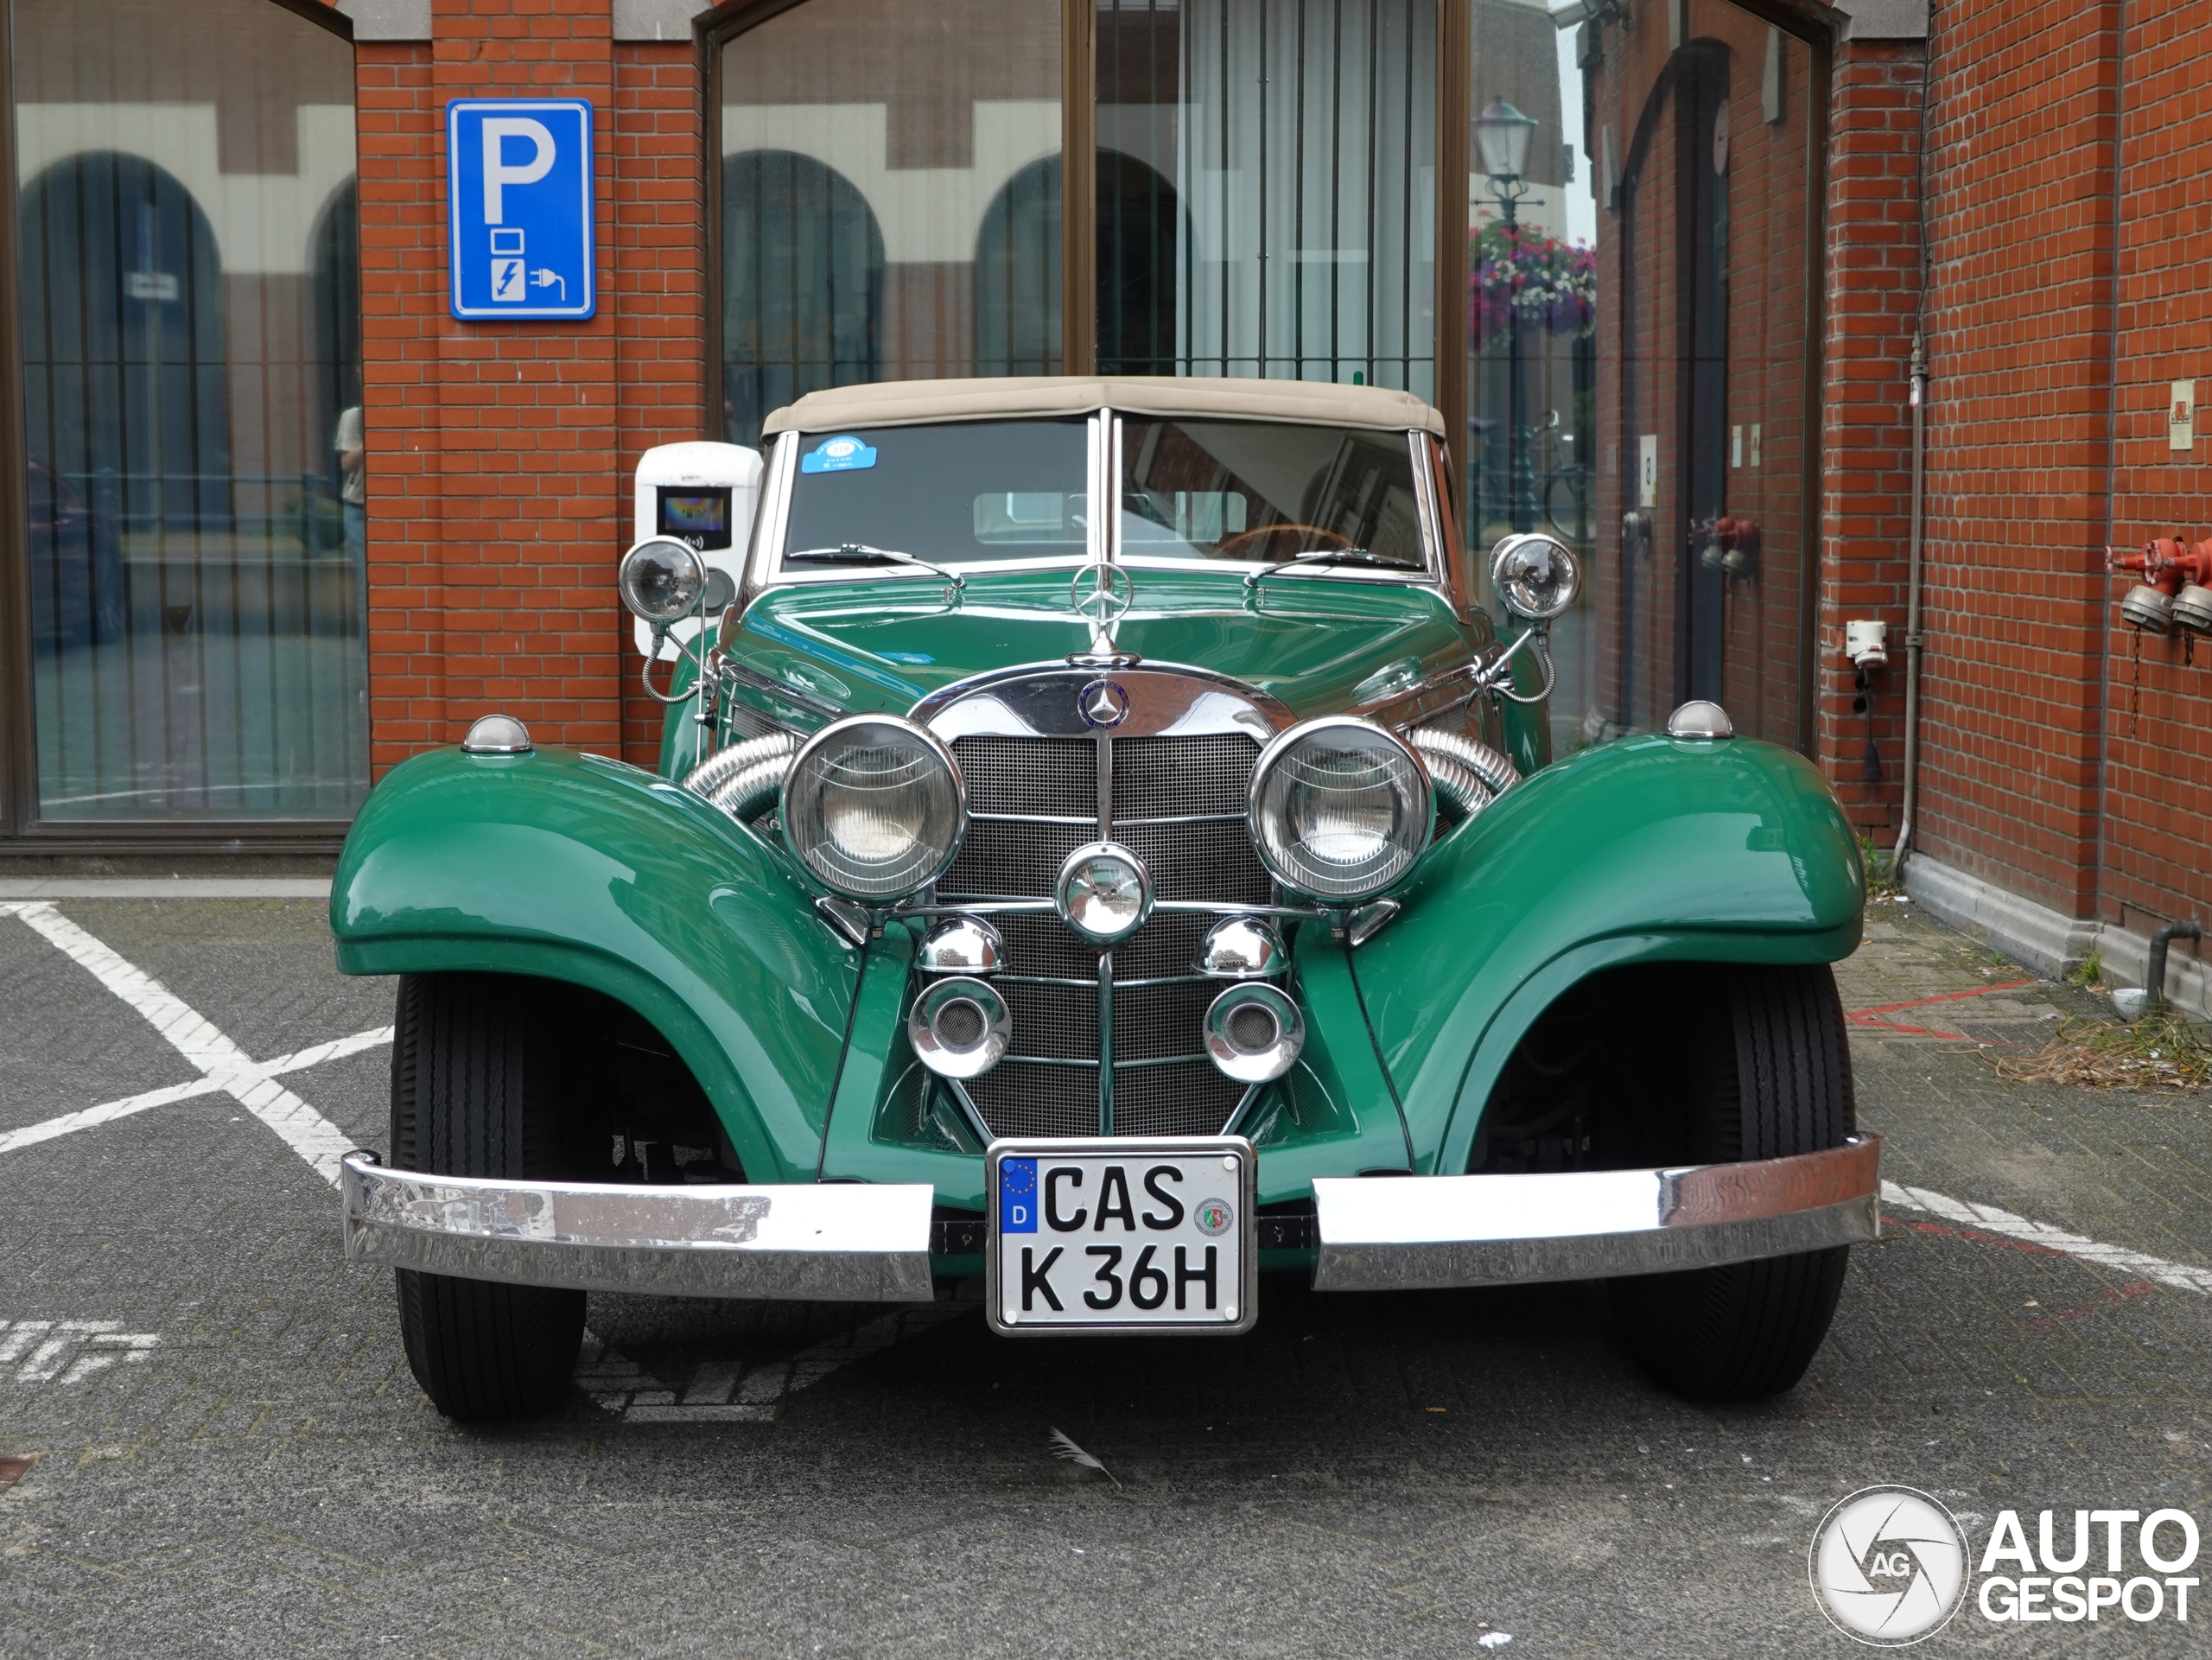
{"x":1103,"y":703}
{"x":1102,"y":593}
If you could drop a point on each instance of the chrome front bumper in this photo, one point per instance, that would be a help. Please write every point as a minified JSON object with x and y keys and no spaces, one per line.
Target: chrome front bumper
{"x":1422,"y":1231}
{"x":831,"y":1242}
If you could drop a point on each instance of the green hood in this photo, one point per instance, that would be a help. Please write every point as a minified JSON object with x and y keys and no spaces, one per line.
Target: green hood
{"x":1317,"y":644}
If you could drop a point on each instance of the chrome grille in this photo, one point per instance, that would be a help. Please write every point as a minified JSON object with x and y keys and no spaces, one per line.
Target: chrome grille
{"x":1178,"y":803}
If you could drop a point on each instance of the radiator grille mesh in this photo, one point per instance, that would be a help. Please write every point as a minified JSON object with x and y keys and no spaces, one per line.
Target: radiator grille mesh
{"x":1154,"y":779}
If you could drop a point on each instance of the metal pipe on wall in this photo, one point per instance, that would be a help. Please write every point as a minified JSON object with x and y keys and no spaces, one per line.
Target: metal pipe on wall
{"x":1912,"y":638}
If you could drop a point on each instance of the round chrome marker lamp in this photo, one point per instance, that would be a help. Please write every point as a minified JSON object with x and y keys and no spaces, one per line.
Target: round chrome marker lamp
{"x":1535,"y":576}
{"x":959,"y":1028}
{"x":873,"y":807}
{"x":1340,"y":808}
{"x":661,"y":580}
{"x":1253,"y":1033}
{"x":1104,"y":892}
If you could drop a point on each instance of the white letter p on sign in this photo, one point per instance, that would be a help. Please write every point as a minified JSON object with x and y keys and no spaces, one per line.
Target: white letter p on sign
{"x":496,"y":175}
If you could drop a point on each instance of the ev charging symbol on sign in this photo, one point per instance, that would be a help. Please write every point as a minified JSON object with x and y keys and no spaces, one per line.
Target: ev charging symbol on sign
{"x":518,"y":177}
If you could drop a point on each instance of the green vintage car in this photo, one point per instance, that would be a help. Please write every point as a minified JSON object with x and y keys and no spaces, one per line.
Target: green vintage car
{"x":1114,"y":905}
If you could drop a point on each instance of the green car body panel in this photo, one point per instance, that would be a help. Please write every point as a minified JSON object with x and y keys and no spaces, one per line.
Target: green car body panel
{"x":574,"y":867}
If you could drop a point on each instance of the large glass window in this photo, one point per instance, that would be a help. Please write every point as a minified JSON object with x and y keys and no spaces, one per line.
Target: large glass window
{"x":190,"y":327}
{"x":1638,"y":317}
{"x":890,"y":198}
{"x":1267,"y":189}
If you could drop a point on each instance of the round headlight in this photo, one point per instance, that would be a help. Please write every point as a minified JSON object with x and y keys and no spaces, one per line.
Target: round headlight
{"x":661,"y":580}
{"x":873,"y":807}
{"x":1340,"y":808}
{"x":1535,"y":576}
{"x":1103,"y":892}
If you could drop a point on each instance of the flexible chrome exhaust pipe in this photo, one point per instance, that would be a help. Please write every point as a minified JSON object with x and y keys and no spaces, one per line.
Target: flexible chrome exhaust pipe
{"x":741,"y":779}
{"x":1469,"y":774}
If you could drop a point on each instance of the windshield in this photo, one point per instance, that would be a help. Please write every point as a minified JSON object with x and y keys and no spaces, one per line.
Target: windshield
{"x":1262,"y":491}
{"x":959,"y":494}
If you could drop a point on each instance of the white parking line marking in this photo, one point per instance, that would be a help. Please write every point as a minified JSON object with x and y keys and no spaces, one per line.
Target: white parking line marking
{"x":86,"y":1347}
{"x":2180,"y":1276}
{"x":306,"y":1131}
{"x":213,"y":1084}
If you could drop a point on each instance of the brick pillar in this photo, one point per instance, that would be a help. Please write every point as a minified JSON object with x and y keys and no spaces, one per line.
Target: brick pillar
{"x":1874,"y":277}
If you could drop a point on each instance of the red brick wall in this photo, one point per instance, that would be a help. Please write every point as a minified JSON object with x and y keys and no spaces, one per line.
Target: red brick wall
{"x":1873,"y":284}
{"x":501,"y":454}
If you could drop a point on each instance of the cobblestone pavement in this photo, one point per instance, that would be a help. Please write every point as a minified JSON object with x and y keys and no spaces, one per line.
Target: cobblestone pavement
{"x":226,"y":1454}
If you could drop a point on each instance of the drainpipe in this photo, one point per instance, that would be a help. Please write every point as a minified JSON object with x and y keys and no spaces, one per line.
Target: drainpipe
{"x":2154,"y":978}
{"x":1912,"y":635}
{"x":1912,"y":588}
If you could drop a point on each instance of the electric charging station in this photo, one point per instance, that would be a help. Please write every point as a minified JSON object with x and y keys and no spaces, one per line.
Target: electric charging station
{"x":705,"y":494}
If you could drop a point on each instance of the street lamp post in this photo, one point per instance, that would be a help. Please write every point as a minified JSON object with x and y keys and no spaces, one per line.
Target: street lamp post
{"x":1501,"y":132}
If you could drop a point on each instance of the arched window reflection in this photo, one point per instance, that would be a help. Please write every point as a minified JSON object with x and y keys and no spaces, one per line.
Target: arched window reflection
{"x":802,"y":285}
{"x":1018,"y":275}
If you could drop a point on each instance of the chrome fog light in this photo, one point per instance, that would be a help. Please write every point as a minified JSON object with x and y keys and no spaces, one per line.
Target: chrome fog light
{"x":959,"y":1028}
{"x":873,"y":807}
{"x":961,"y":945}
{"x":1253,"y":1033}
{"x":1242,"y":948}
{"x":1104,"y":892}
{"x":1535,"y":575}
{"x":1340,"y":808}
{"x":661,"y":580}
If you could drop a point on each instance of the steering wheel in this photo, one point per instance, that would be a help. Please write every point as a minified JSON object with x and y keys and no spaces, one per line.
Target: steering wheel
{"x":1236,"y":546}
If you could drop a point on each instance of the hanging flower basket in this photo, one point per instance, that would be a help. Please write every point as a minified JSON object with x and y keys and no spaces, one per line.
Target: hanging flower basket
{"x":1552,"y":284}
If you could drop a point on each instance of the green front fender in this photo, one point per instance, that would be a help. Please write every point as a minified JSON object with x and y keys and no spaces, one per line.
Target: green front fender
{"x":574,"y":867}
{"x":1651,"y":849}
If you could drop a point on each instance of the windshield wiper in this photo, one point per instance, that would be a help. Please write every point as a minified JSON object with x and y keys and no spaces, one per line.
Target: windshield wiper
{"x":1317,"y":558}
{"x":862,"y":553}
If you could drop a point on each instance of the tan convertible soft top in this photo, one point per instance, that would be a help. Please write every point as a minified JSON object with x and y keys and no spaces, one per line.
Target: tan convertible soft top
{"x":911,"y":403}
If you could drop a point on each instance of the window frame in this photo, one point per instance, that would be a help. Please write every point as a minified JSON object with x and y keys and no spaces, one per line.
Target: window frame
{"x":23,"y":831}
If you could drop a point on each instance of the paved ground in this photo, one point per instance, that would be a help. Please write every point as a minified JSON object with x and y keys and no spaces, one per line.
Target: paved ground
{"x":231,"y":1458}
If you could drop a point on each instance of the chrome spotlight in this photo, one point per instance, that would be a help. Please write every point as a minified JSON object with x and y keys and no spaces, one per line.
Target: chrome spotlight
{"x":1104,"y":892}
{"x":961,"y":945}
{"x":661,"y":580}
{"x":1242,"y":948}
{"x":959,"y":1028}
{"x":1253,"y":1033}
{"x":1535,"y":575}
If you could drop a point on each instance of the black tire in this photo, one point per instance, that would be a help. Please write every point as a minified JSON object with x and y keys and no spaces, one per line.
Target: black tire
{"x":475,"y":1068}
{"x":1770,"y":1075}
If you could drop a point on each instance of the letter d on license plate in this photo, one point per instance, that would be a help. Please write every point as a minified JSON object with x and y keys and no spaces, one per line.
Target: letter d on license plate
{"x":1100,"y":1235}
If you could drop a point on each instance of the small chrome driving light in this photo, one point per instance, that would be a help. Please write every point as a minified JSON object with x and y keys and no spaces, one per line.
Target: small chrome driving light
{"x":961,"y":945}
{"x":496,"y":735}
{"x":959,"y":1028}
{"x":1253,"y":1033}
{"x":1535,"y":575}
{"x":661,"y":580}
{"x":1700,"y":718}
{"x":1340,"y":808}
{"x":873,"y":807}
{"x":1242,"y":948}
{"x":1104,"y":892}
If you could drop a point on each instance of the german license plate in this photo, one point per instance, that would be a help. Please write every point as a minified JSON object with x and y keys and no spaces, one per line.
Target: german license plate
{"x":1114,"y":1235}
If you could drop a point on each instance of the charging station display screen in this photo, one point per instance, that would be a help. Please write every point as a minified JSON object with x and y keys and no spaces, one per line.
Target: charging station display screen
{"x":699,"y":517}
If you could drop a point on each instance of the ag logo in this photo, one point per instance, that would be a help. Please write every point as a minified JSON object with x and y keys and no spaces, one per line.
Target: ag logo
{"x":1889,"y":1566}
{"x":1103,"y":703}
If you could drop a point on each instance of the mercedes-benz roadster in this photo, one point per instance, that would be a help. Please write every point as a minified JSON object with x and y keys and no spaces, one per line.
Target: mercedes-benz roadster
{"x":1106,"y":842}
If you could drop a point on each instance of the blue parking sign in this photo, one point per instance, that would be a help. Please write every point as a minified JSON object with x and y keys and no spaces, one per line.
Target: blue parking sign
{"x":518,"y":175}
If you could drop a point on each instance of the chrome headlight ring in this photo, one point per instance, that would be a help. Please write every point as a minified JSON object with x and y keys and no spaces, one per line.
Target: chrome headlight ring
{"x":960,"y":1026}
{"x":1340,"y":808}
{"x":1253,"y":1033}
{"x":874,"y":808}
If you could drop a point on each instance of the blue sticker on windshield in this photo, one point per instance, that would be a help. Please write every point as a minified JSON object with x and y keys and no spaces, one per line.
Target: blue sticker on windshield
{"x":844,"y":454}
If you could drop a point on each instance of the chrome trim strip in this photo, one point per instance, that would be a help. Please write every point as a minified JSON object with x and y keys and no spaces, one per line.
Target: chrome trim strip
{"x":834,"y":1242}
{"x":1038,"y":700}
{"x":1084,"y":819}
{"x":1427,"y":1231}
